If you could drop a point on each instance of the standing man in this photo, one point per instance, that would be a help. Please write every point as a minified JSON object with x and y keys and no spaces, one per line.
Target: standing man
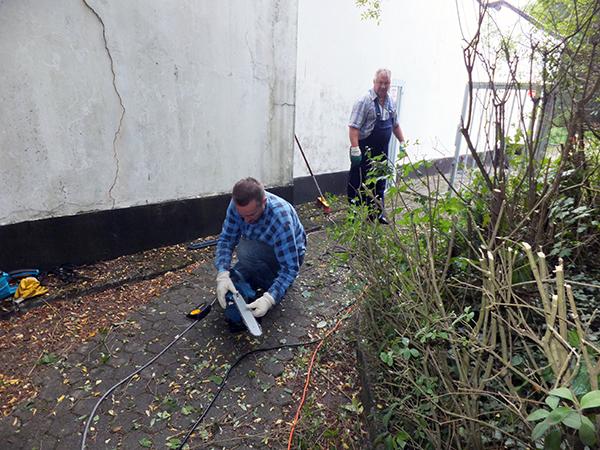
{"x":270,"y":243}
{"x":372,"y":122}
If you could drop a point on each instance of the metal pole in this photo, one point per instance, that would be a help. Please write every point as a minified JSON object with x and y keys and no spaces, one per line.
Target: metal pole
{"x":458,"y":139}
{"x":308,"y":166}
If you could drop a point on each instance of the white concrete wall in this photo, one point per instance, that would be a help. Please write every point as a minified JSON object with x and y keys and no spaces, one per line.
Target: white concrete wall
{"x":207,"y":91}
{"x":338,"y":53}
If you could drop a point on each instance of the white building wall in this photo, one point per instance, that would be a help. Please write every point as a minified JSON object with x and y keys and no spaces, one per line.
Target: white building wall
{"x":420,"y":41}
{"x":207,"y":92}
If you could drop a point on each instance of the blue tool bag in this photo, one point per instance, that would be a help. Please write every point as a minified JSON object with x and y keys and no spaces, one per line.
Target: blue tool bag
{"x":10,"y":281}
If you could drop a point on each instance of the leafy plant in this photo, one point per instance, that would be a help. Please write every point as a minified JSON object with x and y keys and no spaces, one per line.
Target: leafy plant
{"x":399,"y":349}
{"x":465,"y":327}
{"x":449,"y":330}
{"x":397,"y":441}
{"x":186,"y":410}
{"x":355,"y":407}
{"x":145,"y":442}
{"x":173,"y":442}
{"x":573,"y":415}
{"x":48,"y":358}
{"x":571,"y":224}
{"x":170,"y":403}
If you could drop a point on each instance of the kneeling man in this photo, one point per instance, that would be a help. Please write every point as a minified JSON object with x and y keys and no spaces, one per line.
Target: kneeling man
{"x":270,"y":243}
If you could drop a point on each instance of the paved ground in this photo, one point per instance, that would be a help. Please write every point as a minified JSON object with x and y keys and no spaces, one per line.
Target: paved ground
{"x":156,"y":408}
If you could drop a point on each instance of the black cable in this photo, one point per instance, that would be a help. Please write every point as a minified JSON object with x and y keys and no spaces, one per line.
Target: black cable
{"x":128,"y":377}
{"x":222,"y":385}
{"x":237,"y":361}
{"x":203,"y":244}
{"x":177,"y":337}
{"x":162,"y":352}
{"x":313,"y":229}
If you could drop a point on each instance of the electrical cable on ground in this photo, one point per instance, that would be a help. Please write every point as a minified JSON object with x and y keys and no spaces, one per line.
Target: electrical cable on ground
{"x":308,"y":374}
{"x":203,"y":244}
{"x":130,"y":376}
{"x":220,"y":388}
{"x":237,"y":361}
{"x":226,"y":376}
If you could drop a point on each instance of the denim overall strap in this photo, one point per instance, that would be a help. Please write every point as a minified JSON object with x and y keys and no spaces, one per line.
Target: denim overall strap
{"x":377,"y":142}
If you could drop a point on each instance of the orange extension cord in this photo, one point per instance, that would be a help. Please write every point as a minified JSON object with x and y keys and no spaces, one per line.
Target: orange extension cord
{"x":306,"y":383}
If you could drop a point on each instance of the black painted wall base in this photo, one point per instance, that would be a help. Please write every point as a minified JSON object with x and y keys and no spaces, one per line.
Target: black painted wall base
{"x":305,"y":190}
{"x":91,"y":237}
{"x":86,"y":238}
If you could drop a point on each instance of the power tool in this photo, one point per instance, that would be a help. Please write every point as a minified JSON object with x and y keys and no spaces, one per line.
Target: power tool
{"x":237,"y":314}
{"x":200,"y":311}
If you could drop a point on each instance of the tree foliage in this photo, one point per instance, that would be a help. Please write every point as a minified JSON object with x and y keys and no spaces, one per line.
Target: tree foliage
{"x":479,"y":301}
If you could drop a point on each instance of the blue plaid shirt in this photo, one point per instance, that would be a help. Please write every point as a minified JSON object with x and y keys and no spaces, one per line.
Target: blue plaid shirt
{"x":363,"y":114}
{"x":279,"y":227}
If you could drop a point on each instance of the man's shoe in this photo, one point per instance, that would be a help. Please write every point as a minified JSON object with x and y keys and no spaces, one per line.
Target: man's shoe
{"x":383,"y":220}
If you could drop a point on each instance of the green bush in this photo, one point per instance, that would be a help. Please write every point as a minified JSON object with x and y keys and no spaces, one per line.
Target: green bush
{"x":467,"y":330}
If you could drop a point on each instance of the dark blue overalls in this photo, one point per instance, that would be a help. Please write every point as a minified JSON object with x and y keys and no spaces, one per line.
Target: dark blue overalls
{"x":378,"y":142}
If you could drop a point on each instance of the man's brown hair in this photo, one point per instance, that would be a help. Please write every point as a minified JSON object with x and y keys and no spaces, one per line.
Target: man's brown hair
{"x":248,"y":189}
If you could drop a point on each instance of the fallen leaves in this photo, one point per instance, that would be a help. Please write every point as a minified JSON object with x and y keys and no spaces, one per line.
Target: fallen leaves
{"x":45,"y":335}
{"x":5,"y":380}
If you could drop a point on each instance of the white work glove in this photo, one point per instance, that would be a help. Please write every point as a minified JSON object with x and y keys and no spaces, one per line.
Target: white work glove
{"x":260,"y":306}
{"x":355,"y":156}
{"x":224,"y":285}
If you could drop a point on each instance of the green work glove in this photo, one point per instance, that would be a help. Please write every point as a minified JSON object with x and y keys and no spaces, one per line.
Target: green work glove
{"x":402,"y":150}
{"x":355,"y":156}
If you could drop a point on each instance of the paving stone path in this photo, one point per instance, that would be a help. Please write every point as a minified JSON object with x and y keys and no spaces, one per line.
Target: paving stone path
{"x":157,"y":407}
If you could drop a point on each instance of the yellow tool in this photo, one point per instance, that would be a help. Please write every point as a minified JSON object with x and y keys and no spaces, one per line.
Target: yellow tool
{"x":321,"y":198}
{"x":200,"y":311}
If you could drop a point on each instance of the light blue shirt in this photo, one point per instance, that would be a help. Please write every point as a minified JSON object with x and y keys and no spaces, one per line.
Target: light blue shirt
{"x":364,"y":115}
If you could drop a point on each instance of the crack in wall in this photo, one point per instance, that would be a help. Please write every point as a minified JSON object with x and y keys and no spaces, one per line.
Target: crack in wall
{"x":254,"y":64}
{"x":114,"y":82}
